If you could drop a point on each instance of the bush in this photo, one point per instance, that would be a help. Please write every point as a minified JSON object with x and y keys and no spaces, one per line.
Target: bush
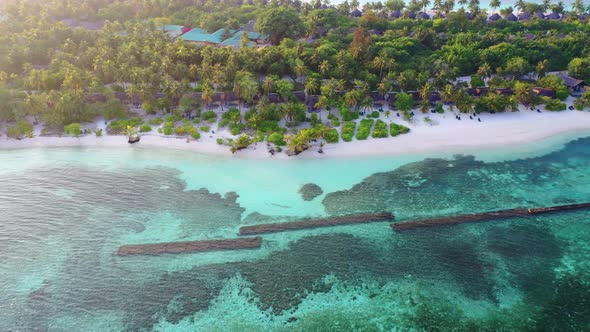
{"x":209,"y":116}
{"x":348,"y":131}
{"x":236,"y":128}
{"x":168,"y":128}
{"x":205,"y":129}
{"x":439,"y":108}
{"x":397,"y":129}
{"x":219,"y":141}
{"x":259,"y":136}
{"x":364,"y":129}
{"x":156,"y":121}
{"x":555,"y":105}
{"x":380,"y":130}
{"x":348,"y":115}
{"x":375,"y":114}
{"x":22,"y":128}
{"x":98,"y":132}
{"x":277,"y":139}
{"x":73,"y":129}
{"x":314,"y":120}
{"x":195,"y":134}
{"x":232,"y":115}
{"x":196,"y":120}
{"x":332,"y":136}
{"x":223,"y":122}
{"x":180,"y":131}
{"x":269,"y":126}
{"x":145,"y":128}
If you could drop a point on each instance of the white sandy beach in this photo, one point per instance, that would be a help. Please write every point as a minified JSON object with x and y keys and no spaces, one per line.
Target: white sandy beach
{"x":445,"y":135}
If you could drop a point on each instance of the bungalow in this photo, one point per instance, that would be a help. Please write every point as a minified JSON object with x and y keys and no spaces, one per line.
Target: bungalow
{"x":575,"y":87}
{"x":545,"y":92}
{"x":311,"y":102}
{"x":505,"y":92}
{"x":174,"y":31}
{"x":511,"y":17}
{"x":482,"y":90}
{"x":377,"y":96}
{"x":395,"y":15}
{"x":94,"y":98}
{"x":434,"y":98}
{"x":299,"y":95}
{"x":540,"y":15}
{"x":494,"y":17}
{"x":391,"y":97}
{"x":415,"y":95}
{"x":412,"y":15}
{"x":553,"y":16}
{"x":524,"y":16}
{"x":356,"y":13}
{"x":274,"y":98}
{"x":423,"y":16}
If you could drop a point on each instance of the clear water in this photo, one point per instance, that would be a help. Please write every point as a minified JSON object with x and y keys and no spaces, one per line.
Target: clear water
{"x":64,"y":212}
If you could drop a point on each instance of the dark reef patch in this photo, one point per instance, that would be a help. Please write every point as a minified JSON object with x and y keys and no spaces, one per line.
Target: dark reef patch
{"x":310,"y":191}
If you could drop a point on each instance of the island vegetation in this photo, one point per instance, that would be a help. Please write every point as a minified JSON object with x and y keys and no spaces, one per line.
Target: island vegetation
{"x":263,"y":70}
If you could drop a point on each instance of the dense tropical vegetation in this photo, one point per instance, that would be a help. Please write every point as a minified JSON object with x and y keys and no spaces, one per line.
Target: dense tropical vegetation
{"x":59,"y":75}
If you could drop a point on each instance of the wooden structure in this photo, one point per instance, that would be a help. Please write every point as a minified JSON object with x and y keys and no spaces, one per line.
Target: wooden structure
{"x":316,"y":223}
{"x":189,"y":246}
{"x":486,"y":216}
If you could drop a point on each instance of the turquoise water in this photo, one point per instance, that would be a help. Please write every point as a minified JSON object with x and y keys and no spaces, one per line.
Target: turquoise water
{"x":64,"y":212}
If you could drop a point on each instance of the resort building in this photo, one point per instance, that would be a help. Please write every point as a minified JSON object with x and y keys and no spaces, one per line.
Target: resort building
{"x":575,"y":86}
{"x":223,"y":37}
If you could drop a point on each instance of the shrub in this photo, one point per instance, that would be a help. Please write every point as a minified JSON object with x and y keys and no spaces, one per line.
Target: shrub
{"x":348,"y":131}
{"x":73,"y":129}
{"x":375,"y":114}
{"x":364,"y":129}
{"x":196,"y":120}
{"x":219,"y":141}
{"x":232,"y":115}
{"x":156,"y":121}
{"x":314,"y":120}
{"x":277,"y":139}
{"x":348,"y":115}
{"x":98,"y":132}
{"x":209,"y":116}
{"x":236,"y":128}
{"x":332,"y":136}
{"x":168,"y":128}
{"x":180,"y":130}
{"x":397,"y":129}
{"x":259,"y":136}
{"x":439,"y":108}
{"x":380,"y":130}
{"x":205,"y":129}
{"x":145,"y":128}
{"x":195,"y":134}
{"x":120,"y":126}
{"x":22,"y":128}
{"x":269,"y":126}
{"x":240,"y":143}
{"x":223,"y":122}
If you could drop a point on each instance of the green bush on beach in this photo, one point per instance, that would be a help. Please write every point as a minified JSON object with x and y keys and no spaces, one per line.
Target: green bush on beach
{"x":348,"y":130}
{"x":205,"y":129}
{"x":156,"y":121}
{"x":209,"y":116}
{"x":145,"y":128}
{"x":380,"y":130}
{"x":397,"y":129}
{"x":277,"y":139}
{"x":364,"y":129}
{"x":332,"y":136}
{"x":22,"y":128}
{"x":73,"y":129}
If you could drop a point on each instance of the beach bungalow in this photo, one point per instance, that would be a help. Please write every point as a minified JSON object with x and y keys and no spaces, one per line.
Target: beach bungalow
{"x":540,"y":15}
{"x":274,"y":98}
{"x":545,"y":92}
{"x":311,"y":102}
{"x":434,"y":98}
{"x":391,"y":97}
{"x":511,"y":17}
{"x":553,"y":16}
{"x":395,"y":15}
{"x":505,"y":92}
{"x":524,"y":16}
{"x":482,"y":90}
{"x":412,"y":15}
{"x":423,"y":16}
{"x":575,"y":86}
{"x":174,"y":31}
{"x":356,"y":13}
{"x":299,"y":95}
{"x":415,"y":95}
{"x":494,"y":17}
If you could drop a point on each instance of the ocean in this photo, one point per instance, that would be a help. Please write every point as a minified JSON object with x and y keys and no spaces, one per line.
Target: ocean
{"x":65,"y":211}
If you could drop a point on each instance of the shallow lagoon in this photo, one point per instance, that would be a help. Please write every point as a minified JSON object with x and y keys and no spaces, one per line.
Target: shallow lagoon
{"x":64,"y":212}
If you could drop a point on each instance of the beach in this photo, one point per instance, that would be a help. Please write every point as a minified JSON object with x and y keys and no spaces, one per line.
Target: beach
{"x":442,"y":133}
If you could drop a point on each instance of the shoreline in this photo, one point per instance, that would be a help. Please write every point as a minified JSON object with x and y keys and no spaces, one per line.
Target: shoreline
{"x":516,"y":131}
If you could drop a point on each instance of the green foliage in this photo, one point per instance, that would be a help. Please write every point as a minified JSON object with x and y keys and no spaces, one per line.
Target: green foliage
{"x":439,"y":108}
{"x":380,"y":130}
{"x":403,"y":102}
{"x":364,"y":129}
{"x":236,"y":128}
{"x":348,"y":130}
{"x":277,"y":139}
{"x":209,"y":116}
{"x":332,"y":136}
{"x":22,"y":129}
{"x":240,"y":143}
{"x":579,"y":68}
{"x":397,"y":129}
{"x":556,"y":83}
{"x":168,"y":128}
{"x":270,"y":126}
{"x":232,"y":115}
{"x":554,"y":105}
{"x":195,"y":134}
{"x":476,"y":81}
{"x":314,"y":120}
{"x":375,"y":114}
{"x":219,"y":141}
{"x":73,"y":129}
{"x":205,"y":129}
{"x":120,"y":126}
{"x":280,"y":22}
{"x":145,"y":128}
{"x":156,"y":121}
{"x":347,"y":114}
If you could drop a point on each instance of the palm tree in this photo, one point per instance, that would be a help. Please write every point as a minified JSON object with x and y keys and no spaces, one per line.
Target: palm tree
{"x":541,"y":68}
{"x":474,"y":6}
{"x":379,"y":63}
{"x":578,"y":6}
{"x":207,"y":94}
{"x":495,"y":4}
{"x":312,"y":85}
{"x":545,"y":6}
{"x":462,"y":3}
{"x":520,"y":4}
{"x":484,"y":71}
